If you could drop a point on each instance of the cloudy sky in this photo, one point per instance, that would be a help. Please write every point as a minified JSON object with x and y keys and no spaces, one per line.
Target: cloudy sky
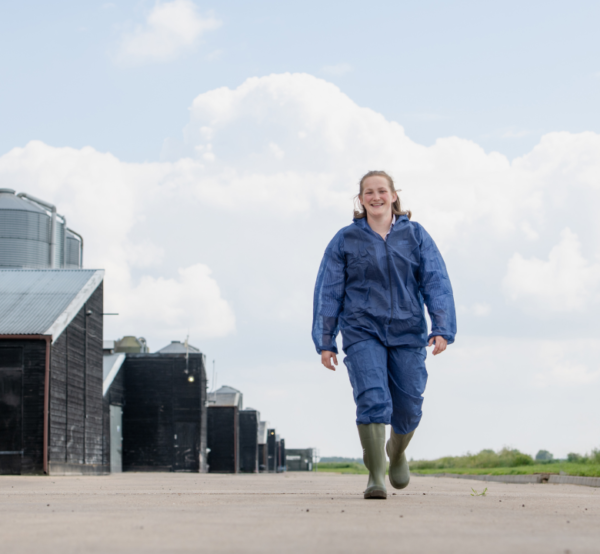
{"x":209,"y":152}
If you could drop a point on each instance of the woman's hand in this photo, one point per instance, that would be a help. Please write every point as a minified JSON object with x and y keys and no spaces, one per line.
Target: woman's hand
{"x":440,"y":344}
{"x":327,"y":357}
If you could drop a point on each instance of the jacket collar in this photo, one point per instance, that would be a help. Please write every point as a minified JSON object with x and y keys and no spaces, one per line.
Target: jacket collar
{"x":362,"y":222}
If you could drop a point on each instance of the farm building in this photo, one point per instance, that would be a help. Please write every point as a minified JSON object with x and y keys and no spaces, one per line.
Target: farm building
{"x":300,"y":459}
{"x":282,"y":456}
{"x":226,"y":396}
{"x":262,"y":446}
{"x":51,"y":411}
{"x":113,"y":394}
{"x":272,"y":451}
{"x":157,"y":406}
{"x":224,"y":409}
{"x":223,"y":439}
{"x":249,"y":420}
{"x":278,"y":450}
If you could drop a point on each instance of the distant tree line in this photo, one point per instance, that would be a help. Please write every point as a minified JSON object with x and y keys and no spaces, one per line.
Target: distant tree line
{"x":507,"y":457}
{"x":592,"y":458}
{"x":340,"y":460}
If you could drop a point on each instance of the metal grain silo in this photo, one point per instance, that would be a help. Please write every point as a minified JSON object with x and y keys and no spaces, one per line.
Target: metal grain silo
{"x":73,"y":250}
{"x":33,"y":235}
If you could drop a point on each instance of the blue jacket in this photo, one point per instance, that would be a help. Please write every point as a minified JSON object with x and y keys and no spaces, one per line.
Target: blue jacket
{"x":370,"y":288}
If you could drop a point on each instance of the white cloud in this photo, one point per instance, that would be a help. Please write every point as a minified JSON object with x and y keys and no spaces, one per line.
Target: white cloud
{"x":170,"y":29}
{"x":527,"y":392}
{"x":529,"y":232}
{"x":265,"y":176}
{"x":144,"y":253}
{"x":292,"y":147}
{"x":337,"y":69}
{"x":566,"y":282}
{"x":106,"y":201}
{"x":566,"y":364}
{"x":189,"y":304}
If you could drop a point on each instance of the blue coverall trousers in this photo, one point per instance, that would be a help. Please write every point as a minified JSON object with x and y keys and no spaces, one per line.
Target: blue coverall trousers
{"x":388,"y":383}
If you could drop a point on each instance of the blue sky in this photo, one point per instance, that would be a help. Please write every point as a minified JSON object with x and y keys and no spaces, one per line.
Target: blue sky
{"x":208,"y":153}
{"x":498,"y":73}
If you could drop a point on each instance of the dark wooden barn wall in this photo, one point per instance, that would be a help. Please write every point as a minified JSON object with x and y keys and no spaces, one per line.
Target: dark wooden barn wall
{"x":223,"y":439}
{"x":262,"y":458}
{"x":282,"y":460}
{"x":204,"y":422}
{"x":271,"y":450}
{"x":76,"y":404}
{"x":248,"y":441}
{"x":164,"y":416}
{"x":32,"y":419}
{"x":94,"y":405}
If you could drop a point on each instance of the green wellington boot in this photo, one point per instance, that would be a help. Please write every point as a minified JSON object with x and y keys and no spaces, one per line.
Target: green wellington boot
{"x":372,"y":438}
{"x":399,"y":472}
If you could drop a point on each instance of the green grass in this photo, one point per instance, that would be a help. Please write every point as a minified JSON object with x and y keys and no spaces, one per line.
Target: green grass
{"x":506,"y":457}
{"x":342,"y":467}
{"x":569,"y":468}
{"x":587,"y":470}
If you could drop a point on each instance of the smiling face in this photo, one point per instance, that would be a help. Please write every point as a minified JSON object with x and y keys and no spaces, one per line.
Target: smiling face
{"x":377,"y":197}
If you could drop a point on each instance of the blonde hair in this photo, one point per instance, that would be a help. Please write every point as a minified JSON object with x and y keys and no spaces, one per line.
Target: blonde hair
{"x":359,"y":211}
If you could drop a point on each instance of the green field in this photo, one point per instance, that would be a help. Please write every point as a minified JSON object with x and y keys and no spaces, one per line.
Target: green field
{"x":568,"y":468}
{"x":487,"y":462}
{"x":341,"y":467}
{"x":587,"y":470}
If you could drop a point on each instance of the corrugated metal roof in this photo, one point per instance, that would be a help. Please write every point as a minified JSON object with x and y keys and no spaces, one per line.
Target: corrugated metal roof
{"x":9,"y":201}
{"x":226,"y":396}
{"x":177,"y":347}
{"x":111,"y":364}
{"x":262,"y":432}
{"x":43,"y":301}
{"x":226,"y":389}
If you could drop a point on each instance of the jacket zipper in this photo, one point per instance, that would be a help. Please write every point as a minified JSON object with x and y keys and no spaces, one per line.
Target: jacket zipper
{"x":387,"y":253}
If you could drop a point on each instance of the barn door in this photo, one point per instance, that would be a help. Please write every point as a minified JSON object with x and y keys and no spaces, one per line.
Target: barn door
{"x":187,"y":443}
{"x":11,"y":410}
{"x":116,"y":439}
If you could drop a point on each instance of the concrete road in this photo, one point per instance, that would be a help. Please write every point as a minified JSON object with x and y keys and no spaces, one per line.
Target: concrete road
{"x":294,"y":512}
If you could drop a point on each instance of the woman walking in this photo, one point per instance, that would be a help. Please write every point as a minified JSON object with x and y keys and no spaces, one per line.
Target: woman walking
{"x":375,"y":276}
